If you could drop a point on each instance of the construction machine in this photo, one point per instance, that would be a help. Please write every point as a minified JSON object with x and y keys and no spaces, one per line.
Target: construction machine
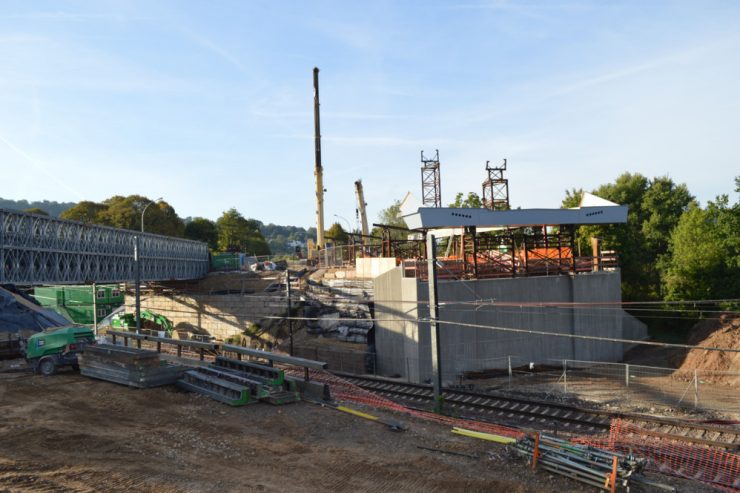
{"x":57,"y":347}
{"x":149,"y":321}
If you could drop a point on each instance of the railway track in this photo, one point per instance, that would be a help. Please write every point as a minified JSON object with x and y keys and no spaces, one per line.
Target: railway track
{"x":552,"y":417}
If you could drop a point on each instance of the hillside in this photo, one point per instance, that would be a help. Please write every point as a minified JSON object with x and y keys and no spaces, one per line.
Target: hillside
{"x":52,"y":207}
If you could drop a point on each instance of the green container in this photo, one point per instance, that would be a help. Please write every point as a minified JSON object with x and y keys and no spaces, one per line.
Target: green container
{"x":78,"y":295}
{"x":225,"y":261}
{"x":83,"y":314}
{"x":49,"y":296}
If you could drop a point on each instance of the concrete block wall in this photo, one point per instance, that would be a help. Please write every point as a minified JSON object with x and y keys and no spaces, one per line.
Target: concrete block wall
{"x":403,"y":345}
{"x":219,"y":315}
{"x":372,"y":267}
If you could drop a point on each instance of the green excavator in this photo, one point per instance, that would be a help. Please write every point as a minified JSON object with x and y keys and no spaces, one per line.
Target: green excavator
{"x":149,"y":321}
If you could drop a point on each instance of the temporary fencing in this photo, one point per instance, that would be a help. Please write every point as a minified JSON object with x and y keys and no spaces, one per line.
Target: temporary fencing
{"x":714,"y":466}
{"x":631,"y":385}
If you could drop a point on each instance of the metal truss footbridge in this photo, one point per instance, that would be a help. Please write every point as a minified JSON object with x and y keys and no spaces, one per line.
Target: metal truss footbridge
{"x":36,"y":249}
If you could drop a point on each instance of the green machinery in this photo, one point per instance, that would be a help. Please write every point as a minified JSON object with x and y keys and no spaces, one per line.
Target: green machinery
{"x":56,"y":347}
{"x":149,"y":321}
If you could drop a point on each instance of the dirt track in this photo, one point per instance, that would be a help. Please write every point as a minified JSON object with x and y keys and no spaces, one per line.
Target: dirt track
{"x":69,"y":433}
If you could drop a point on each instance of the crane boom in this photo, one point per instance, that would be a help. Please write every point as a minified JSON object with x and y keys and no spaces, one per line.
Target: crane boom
{"x":318,"y":172}
{"x":361,"y":209}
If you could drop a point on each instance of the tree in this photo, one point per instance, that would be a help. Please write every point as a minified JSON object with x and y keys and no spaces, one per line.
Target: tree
{"x":36,"y":210}
{"x":201,"y":229}
{"x":85,"y":211}
{"x":235,"y":233}
{"x":125,"y":212}
{"x":705,"y":253}
{"x":655,"y":207}
{"x":572,"y":198}
{"x":337,"y":233}
{"x":391,"y":216}
{"x":472,"y":201}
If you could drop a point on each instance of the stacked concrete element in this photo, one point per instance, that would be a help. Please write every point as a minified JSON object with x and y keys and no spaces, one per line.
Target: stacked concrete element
{"x":403,"y":345}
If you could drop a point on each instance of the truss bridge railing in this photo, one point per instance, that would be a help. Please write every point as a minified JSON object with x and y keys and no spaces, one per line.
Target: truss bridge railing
{"x":36,"y":249}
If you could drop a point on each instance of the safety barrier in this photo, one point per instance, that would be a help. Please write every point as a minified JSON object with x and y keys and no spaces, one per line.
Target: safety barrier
{"x":714,"y":466}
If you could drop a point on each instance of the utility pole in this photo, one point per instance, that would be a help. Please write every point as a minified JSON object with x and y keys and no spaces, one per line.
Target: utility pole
{"x":95,"y":309}
{"x":433,"y":325}
{"x":290,"y":321}
{"x":319,"y":171}
{"x":137,"y":267}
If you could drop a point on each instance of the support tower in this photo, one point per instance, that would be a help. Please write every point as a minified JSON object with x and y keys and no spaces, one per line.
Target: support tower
{"x":431,"y":190}
{"x":496,"y":189}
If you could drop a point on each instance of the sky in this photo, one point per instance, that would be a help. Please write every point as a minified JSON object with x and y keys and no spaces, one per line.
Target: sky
{"x":210,"y":104}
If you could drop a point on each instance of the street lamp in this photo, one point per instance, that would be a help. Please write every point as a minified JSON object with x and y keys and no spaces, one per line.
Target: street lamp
{"x":145,"y":208}
{"x":349,"y":231}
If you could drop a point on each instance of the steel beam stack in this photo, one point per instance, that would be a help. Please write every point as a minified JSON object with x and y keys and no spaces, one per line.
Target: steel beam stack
{"x":236,"y":383}
{"x":128,"y":366}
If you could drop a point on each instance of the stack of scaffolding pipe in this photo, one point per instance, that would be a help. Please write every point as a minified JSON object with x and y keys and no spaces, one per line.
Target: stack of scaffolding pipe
{"x":590,"y":465}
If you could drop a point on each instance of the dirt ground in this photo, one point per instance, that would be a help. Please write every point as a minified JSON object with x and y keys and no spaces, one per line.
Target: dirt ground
{"x":67,"y":433}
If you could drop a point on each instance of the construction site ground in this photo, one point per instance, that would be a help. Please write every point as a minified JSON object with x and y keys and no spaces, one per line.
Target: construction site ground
{"x":67,"y":433}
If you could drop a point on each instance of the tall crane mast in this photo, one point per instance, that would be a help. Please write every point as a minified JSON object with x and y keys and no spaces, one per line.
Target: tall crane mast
{"x":318,"y":172}
{"x":361,"y":210}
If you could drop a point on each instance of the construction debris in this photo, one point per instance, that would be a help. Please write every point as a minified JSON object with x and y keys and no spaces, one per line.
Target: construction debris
{"x":128,"y":366}
{"x":483,"y":436}
{"x":603,"y":469}
{"x":237,"y":383}
{"x":341,"y":310}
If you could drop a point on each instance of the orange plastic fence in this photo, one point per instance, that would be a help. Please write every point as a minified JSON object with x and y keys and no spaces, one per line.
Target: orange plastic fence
{"x":714,"y":466}
{"x":717,"y":467}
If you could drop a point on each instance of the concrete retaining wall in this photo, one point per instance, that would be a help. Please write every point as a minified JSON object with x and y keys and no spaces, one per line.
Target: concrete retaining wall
{"x":403,"y":345}
{"x":219,"y":315}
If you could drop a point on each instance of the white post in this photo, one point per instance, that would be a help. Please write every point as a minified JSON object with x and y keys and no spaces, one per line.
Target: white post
{"x":565,"y":376}
{"x":509,"y":358}
{"x":627,"y":375}
{"x":696,"y":389}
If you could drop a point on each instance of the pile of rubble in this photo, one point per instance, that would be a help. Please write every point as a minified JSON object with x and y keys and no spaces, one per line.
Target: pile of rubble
{"x":342,"y":310}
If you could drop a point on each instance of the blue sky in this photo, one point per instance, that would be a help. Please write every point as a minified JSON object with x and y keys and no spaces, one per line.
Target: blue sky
{"x":209,"y":104}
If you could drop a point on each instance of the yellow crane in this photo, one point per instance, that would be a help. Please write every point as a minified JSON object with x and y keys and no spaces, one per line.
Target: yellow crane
{"x":361,"y":210}
{"x":318,"y":172}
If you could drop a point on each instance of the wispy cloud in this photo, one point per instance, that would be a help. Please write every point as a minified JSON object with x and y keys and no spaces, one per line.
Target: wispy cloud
{"x":40,"y":167}
{"x":219,"y":50}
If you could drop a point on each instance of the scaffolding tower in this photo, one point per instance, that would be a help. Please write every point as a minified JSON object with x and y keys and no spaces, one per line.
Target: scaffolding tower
{"x":496,"y":189}
{"x":431,"y":190}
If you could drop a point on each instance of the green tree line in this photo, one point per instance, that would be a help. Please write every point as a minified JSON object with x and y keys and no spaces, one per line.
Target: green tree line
{"x":231,"y":232}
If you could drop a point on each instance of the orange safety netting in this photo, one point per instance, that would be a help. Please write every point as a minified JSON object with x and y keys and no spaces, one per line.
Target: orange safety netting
{"x":346,"y":391}
{"x":714,"y":466}
{"x":717,"y":467}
